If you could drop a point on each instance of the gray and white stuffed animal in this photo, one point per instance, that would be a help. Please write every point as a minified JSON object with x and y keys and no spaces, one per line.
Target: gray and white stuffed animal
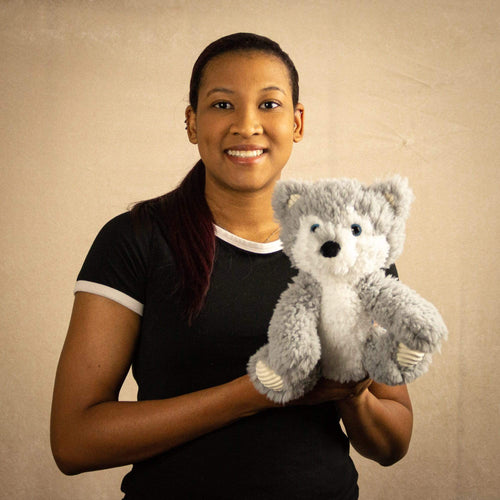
{"x":342,"y":317}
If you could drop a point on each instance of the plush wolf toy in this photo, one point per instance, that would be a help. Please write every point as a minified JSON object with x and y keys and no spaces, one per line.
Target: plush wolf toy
{"x":342,"y":317}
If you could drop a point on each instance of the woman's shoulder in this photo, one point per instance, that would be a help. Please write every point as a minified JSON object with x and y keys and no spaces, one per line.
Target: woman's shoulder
{"x":121,"y":260}
{"x":124,"y":237}
{"x":119,"y":224}
{"x":130,"y":226}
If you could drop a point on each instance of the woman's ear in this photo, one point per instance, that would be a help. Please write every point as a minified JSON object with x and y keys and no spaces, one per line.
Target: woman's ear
{"x":191,"y":125}
{"x":298,"y":123}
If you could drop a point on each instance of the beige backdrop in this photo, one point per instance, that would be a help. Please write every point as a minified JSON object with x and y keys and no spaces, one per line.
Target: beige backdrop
{"x":92,"y":95}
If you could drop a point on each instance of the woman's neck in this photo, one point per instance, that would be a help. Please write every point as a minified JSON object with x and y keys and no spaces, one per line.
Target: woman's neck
{"x":247,"y":215}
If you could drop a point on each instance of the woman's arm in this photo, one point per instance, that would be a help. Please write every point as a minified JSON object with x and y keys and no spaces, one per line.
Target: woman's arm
{"x":379,"y":422}
{"x":91,"y":429}
{"x":378,"y":418}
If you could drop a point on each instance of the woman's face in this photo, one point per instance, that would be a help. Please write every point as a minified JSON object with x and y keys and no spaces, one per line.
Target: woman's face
{"x":245,"y":123}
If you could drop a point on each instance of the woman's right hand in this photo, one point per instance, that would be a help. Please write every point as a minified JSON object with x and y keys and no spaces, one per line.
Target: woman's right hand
{"x":330,"y":390}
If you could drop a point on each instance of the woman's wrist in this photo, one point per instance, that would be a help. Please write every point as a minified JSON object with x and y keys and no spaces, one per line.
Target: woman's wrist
{"x":252,"y":401}
{"x":358,"y":394}
{"x":355,"y":400}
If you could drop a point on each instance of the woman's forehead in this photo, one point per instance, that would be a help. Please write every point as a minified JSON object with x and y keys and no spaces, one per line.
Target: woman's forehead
{"x":245,"y":67}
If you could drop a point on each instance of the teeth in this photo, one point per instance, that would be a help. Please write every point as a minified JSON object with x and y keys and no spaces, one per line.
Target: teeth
{"x":245,"y":154}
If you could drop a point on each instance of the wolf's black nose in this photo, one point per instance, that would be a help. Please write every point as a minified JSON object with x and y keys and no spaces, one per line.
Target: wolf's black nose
{"x":330,"y":249}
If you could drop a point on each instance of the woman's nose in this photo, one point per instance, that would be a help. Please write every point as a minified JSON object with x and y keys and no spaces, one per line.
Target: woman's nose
{"x":246,"y":123}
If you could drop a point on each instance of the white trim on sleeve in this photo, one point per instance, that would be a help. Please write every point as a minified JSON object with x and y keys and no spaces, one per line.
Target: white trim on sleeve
{"x":110,"y":293}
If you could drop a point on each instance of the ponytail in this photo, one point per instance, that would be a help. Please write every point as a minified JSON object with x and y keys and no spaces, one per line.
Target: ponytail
{"x":187,"y":224}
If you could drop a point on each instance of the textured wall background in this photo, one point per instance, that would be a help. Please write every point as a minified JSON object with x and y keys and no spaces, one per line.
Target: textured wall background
{"x":92,"y":97}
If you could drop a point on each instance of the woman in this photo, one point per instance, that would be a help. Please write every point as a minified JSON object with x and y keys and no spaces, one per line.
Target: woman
{"x":183,"y":288}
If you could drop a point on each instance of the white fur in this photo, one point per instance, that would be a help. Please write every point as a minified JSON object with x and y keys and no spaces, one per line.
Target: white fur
{"x":343,"y":327}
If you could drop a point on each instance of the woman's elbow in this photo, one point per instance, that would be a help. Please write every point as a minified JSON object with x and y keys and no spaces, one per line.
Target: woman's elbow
{"x":392,"y":457}
{"x":63,"y":460}
{"x":66,"y":455}
{"x":67,"y":468}
{"x":64,"y":464}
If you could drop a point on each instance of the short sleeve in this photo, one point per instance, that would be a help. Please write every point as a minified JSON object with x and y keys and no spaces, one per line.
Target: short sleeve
{"x":116,"y":264}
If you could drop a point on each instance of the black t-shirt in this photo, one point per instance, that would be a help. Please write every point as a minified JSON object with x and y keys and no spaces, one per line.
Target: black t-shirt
{"x":286,"y":453}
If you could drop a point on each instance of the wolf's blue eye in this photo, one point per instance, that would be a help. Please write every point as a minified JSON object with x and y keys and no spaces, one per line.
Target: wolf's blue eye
{"x":314,"y":227}
{"x":356,"y":229}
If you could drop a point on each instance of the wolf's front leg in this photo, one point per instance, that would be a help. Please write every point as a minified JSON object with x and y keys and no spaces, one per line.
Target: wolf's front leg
{"x":287,"y":367}
{"x":413,"y":330}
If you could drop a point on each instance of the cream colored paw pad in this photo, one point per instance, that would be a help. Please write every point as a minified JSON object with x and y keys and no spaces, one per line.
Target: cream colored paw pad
{"x":267,"y":377}
{"x":408,"y":357}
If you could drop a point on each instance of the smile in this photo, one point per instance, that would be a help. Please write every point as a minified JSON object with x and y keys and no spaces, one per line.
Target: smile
{"x":245,"y":154}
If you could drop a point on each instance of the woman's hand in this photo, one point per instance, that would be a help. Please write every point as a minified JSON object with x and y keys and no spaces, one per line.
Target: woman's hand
{"x":330,"y":390}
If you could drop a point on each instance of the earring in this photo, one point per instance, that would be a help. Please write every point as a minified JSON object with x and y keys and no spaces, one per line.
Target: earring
{"x":186,"y":127}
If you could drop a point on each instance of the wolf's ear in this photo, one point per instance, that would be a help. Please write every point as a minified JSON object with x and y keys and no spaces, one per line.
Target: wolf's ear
{"x":397,"y":197}
{"x":286,"y":194}
{"x":398,"y":194}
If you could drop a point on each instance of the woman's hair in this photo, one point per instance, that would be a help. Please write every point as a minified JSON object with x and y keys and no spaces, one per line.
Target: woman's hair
{"x":183,"y":214}
{"x":240,"y":42}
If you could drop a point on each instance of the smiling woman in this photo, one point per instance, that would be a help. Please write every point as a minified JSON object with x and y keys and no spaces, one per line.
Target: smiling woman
{"x":183,"y":288}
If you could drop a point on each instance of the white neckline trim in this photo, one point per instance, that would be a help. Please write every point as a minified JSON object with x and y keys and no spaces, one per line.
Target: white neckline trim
{"x":249,"y":246}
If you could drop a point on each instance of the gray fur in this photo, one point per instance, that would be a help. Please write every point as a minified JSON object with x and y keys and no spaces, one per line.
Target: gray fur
{"x":342,"y":317}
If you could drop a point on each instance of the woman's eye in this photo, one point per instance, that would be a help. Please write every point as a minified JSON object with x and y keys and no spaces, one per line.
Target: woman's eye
{"x":314,"y":227}
{"x":356,"y":229}
{"x":269,"y":105}
{"x":223,"y":105}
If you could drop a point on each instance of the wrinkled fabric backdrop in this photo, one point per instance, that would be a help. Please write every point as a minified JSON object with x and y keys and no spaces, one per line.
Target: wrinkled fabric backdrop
{"x":92,"y":98}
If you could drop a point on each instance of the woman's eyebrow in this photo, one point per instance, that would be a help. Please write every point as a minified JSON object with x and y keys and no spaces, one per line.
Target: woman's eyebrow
{"x":279,"y":89}
{"x":229,"y":91}
{"x":219,"y":89}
